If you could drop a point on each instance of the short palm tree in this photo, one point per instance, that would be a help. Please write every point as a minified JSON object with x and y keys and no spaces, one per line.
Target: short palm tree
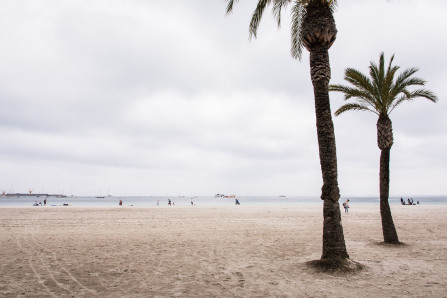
{"x":381,"y":94}
{"x":313,"y":27}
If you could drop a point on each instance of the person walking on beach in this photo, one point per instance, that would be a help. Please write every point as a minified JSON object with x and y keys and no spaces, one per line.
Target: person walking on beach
{"x":45,"y":202}
{"x":346,"y":205}
{"x":121,"y":203}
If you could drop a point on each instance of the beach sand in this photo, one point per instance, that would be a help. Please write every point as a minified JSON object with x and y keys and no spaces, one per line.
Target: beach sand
{"x":240,"y":251}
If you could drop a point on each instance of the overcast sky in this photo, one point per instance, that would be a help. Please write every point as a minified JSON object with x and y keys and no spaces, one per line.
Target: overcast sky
{"x":149,"y":97}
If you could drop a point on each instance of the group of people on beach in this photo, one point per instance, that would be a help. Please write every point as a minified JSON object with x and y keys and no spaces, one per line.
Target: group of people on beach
{"x":40,"y":203}
{"x":172,"y":203}
{"x":346,"y":205}
{"x":410,"y":201}
{"x":193,"y":202}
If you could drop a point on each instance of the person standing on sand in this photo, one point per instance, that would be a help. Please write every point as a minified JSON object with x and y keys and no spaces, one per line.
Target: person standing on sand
{"x":346,"y":205}
{"x":121,"y":203}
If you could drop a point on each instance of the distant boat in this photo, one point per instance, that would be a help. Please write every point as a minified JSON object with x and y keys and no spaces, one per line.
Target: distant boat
{"x":281,"y":196}
{"x":224,"y":196}
{"x":103,"y":197}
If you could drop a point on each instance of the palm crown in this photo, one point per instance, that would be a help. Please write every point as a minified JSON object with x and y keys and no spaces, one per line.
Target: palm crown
{"x":298,"y":12}
{"x":382,"y":92}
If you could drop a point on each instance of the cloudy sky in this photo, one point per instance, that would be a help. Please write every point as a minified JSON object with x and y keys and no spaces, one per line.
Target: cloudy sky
{"x":148,"y":97}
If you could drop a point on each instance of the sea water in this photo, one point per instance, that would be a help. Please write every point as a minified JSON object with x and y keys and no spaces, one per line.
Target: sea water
{"x":154,"y":201}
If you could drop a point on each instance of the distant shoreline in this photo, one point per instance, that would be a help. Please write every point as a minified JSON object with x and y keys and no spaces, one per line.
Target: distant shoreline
{"x":37,"y":195}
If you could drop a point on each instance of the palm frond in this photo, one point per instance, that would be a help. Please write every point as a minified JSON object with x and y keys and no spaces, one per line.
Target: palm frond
{"x":277,"y":8}
{"x":358,"y":79}
{"x":256,"y":17}
{"x":353,"y":107}
{"x":389,"y":74}
{"x":362,"y":82}
{"x":382,"y":68}
{"x":387,"y":85}
{"x":390,"y":64}
{"x":423,"y":93}
{"x":402,"y":79}
{"x":374,"y":73}
{"x":408,"y":96}
{"x":377,"y":71}
{"x":298,"y":12}
{"x":406,"y":74}
{"x":402,"y":87}
{"x":405,"y":80}
{"x":230,"y":6}
{"x":379,"y":80}
{"x":362,"y":96}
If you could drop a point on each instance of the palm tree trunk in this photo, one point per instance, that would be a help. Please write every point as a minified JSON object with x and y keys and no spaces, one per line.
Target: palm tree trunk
{"x":334,"y":247}
{"x":385,"y":141}
{"x":388,"y":228}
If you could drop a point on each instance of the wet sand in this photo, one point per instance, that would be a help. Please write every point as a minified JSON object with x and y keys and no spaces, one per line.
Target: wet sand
{"x":240,"y":251}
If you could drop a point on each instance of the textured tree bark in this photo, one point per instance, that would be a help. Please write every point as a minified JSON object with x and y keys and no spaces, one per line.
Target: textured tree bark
{"x":334,"y":247}
{"x":318,"y":27}
{"x":385,"y":138}
{"x":388,"y":228}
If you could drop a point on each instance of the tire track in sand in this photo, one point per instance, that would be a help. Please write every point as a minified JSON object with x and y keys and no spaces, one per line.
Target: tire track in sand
{"x":40,"y":280}
{"x":56,"y":261}
{"x":48,"y":270}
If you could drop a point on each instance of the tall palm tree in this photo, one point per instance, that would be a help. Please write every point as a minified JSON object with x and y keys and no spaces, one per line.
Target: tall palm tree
{"x":313,"y":27}
{"x":381,"y":94}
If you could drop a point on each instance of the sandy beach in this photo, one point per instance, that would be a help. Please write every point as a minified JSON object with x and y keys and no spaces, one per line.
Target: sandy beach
{"x":236,"y":251}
